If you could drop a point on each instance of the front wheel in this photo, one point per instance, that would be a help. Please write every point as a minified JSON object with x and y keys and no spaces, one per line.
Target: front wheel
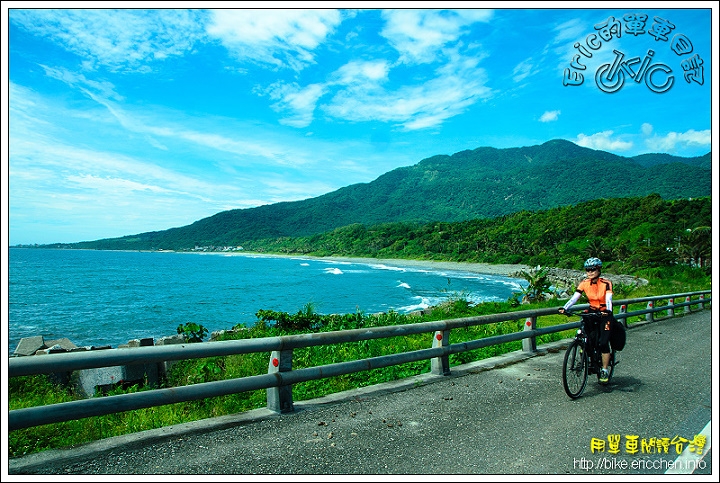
{"x":575,"y":370}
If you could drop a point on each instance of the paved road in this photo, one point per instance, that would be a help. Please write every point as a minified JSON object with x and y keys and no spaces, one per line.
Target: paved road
{"x":508,"y":415}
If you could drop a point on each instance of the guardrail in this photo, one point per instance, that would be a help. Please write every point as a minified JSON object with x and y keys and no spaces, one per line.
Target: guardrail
{"x":281,"y":376}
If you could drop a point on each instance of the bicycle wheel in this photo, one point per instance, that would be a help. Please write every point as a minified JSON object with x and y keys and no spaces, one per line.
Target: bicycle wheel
{"x":575,"y":370}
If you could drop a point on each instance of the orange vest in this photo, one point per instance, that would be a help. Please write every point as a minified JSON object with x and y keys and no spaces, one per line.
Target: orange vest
{"x":595,"y":290}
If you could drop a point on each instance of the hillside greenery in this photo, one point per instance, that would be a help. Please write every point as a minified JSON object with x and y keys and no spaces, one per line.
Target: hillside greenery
{"x":627,"y":233}
{"x":472,"y":185}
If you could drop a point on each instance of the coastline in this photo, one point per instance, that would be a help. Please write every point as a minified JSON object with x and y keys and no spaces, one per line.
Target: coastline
{"x":503,"y":269}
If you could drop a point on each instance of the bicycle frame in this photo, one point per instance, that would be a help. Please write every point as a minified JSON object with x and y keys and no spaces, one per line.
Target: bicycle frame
{"x":583,"y":356}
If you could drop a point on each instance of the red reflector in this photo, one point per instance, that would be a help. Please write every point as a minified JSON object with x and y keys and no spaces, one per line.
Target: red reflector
{"x":276,"y":362}
{"x":438,"y":336}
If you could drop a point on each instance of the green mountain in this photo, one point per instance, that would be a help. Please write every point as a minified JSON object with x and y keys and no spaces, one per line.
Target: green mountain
{"x":474,"y":184}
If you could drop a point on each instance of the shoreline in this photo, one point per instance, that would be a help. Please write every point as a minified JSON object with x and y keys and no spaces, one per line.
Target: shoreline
{"x":502,"y":269}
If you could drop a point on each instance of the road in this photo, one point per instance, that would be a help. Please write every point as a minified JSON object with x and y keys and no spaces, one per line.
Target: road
{"x":501,"y":416}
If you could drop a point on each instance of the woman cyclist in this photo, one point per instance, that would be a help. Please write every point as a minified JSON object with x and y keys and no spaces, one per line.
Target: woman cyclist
{"x":599,"y":294}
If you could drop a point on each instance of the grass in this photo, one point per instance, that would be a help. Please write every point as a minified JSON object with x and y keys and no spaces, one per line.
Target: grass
{"x":29,"y":391}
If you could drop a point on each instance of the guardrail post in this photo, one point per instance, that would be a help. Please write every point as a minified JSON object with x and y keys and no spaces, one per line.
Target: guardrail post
{"x":621,"y":315}
{"x":687,"y":307}
{"x":649,"y":315}
{"x":440,"y":365}
{"x":701,"y":298}
{"x":529,"y":343}
{"x":279,"y":398}
{"x":671,"y":309}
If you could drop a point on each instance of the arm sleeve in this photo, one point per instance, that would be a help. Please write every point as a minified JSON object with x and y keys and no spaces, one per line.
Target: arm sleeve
{"x":608,"y":301}
{"x":573,"y":300}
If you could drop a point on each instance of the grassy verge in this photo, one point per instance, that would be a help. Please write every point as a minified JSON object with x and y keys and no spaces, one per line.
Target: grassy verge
{"x":29,"y":391}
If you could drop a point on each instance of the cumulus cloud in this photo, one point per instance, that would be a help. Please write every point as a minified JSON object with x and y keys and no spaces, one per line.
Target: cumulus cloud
{"x":603,"y":141}
{"x":549,"y":116}
{"x":674,"y":140}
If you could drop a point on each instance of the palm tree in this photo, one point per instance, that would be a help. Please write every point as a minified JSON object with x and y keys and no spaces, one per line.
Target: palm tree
{"x":538,"y":285}
{"x":694,"y":247}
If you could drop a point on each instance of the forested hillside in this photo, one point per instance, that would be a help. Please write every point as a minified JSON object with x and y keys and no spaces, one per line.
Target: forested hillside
{"x":628,"y":233}
{"x":479,"y":184}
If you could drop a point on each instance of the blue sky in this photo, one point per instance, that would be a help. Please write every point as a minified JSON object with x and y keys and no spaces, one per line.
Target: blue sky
{"x":123,"y":121}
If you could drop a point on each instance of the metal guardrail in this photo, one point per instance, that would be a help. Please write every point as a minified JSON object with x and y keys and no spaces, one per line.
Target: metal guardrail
{"x":280,"y":377}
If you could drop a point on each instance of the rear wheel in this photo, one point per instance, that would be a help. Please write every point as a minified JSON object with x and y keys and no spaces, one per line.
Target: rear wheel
{"x":575,"y":370}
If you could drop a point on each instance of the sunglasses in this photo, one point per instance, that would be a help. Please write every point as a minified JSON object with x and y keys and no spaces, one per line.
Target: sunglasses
{"x":591,"y":269}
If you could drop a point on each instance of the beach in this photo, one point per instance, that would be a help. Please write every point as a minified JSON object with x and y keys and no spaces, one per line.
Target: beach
{"x":499,"y":269}
{"x":505,"y":270}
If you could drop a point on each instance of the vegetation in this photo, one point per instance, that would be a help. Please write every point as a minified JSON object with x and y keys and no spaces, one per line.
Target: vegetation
{"x":192,"y":332}
{"x":28,"y":391}
{"x":666,"y":242}
{"x":629,"y":233}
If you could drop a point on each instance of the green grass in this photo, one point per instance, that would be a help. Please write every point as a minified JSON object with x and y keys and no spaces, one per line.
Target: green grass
{"x":29,"y":391}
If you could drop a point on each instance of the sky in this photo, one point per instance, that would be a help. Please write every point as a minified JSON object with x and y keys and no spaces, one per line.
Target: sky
{"x":124,"y":120}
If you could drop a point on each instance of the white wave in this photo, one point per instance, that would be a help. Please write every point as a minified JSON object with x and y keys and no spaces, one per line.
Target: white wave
{"x":335,"y":262}
{"x":404,"y":285}
{"x":334,"y":270}
{"x":381,"y":266}
{"x":304,"y":264}
{"x":422,"y":304}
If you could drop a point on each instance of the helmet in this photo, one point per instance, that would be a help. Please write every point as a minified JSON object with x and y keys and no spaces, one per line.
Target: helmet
{"x":593,"y":262}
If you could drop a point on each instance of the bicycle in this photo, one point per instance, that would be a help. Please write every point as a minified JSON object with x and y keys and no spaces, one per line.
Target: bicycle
{"x":583,"y":357}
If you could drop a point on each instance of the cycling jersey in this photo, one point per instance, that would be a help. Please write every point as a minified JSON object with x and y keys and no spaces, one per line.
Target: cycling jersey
{"x":598,"y":292}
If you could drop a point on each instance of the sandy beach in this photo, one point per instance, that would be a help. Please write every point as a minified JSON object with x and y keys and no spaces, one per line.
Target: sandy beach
{"x":484,"y":268}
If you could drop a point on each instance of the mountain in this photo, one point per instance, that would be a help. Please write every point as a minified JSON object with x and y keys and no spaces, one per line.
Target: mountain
{"x":473,"y":184}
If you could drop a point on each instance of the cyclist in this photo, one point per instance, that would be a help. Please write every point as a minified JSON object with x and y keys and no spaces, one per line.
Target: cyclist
{"x":599,"y":294}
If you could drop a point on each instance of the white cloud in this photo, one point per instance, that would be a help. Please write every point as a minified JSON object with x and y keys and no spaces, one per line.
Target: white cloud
{"x":419,"y":35}
{"x":122,"y":39}
{"x":570,"y":31}
{"x":674,"y":140}
{"x":298,"y":102}
{"x":277,"y":37}
{"x":523,"y":70}
{"x":603,"y":141}
{"x":360,"y":72}
{"x":412,"y":107}
{"x":549,"y":116}
{"x":646,"y":129}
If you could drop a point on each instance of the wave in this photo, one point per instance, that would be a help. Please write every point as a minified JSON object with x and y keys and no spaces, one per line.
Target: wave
{"x":380,"y":266}
{"x":404,"y":285}
{"x":333,"y":270}
{"x":423,"y":303}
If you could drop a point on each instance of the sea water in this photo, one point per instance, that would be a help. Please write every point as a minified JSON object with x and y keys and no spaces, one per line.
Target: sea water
{"x":102,"y":298}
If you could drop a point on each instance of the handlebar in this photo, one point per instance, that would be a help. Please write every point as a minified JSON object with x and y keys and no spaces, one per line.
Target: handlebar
{"x":583,"y":313}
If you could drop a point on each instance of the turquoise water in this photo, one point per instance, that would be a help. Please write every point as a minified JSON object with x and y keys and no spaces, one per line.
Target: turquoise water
{"x":109,"y":297}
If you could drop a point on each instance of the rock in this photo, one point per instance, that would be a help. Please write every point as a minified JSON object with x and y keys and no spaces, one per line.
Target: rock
{"x":30,"y":345}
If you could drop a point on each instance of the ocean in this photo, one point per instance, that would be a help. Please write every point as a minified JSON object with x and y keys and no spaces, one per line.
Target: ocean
{"x":110,"y":297}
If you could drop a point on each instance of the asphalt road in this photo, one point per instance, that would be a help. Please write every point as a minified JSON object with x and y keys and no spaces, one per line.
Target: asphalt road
{"x":508,"y":415}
